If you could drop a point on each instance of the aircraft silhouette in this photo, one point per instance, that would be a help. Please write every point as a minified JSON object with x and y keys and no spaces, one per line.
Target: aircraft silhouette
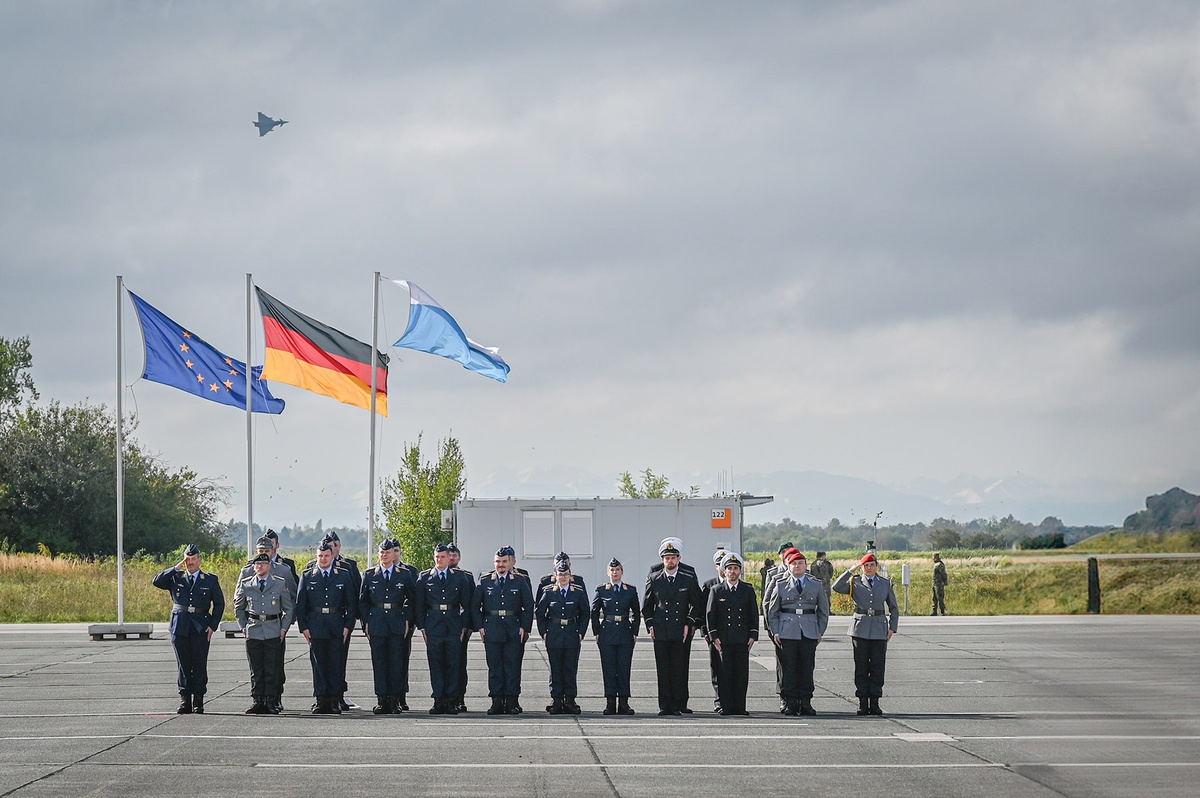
{"x":266,"y":124}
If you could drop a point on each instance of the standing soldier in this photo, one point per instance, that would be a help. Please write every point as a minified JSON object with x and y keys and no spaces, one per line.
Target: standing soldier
{"x":350,"y":565}
{"x":264,"y":604}
{"x":277,"y":561}
{"x":797,"y":616}
{"x":326,"y":606}
{"x":196,"y":610}
{"x":562,"y":619}
{"x":406,"y":648}
{"x":939,"y":584}
{"x":443,"y":616}
{"x":503,"y":614}
{"x":732,"y":629}
{"x":869,"y":631}
{"x":822,"y":569}
{"x":670,"y":608}
{"x":714,"y":656}
{"x":616,"y":620}
{"x":460,"y":700}
{"x":385,"y":604}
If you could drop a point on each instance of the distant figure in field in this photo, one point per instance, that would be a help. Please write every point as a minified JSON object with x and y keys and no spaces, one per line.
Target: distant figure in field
{"x":822,"y":569}
{"x":939,"y":584}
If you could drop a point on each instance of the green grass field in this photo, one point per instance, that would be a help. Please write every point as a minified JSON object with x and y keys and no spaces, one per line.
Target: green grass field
{"x":36,"y":588}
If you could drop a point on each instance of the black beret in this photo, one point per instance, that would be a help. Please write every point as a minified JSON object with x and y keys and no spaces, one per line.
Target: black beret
{"x":263,"y":557}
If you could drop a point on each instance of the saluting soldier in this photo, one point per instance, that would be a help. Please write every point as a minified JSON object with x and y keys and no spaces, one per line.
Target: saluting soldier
{"x":670,"y":608}
{"x":326,"y":607}
{"x":616,"y":621}
{"x":443,"y":616}
{"x":552,"y":577}
{"x":714,"y":656}
{"x":196,"y":610}
{"x":732,"y":630}
{"x":797,"y":616}
{"x":503,"y":614}
{"x":264,"y":604}
{"x":869,"y":630}
{"x":385,"y":604}
{"x":460,"y":700}
{"x":562,"y":617}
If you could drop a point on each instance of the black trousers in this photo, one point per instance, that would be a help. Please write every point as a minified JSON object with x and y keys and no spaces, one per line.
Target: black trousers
{"x":345,"y":661}
{"x":797,"y":659}
{"x":406,"y":656}
{"x":616,"y":662}
{"x":327,"y":655}
{"x":443,"y":652}
{"x":671,"y":664}
{"x":387,"y":664}
{"x":564,"y":669}
{"x":735,"y":676}
{"x":504,"y":667}
{"x":266,"y":675}
{"x":191,"y":655}
{"x":714,"y":668}
{"x":282,"y":657}
{"x":870,"y":657}
{"x":462,"y":665}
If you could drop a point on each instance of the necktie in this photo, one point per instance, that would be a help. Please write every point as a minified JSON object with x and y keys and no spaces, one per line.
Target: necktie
{"x":261,"y":584}
{"x":442,"y":576}
{"x":799,"y":585}
{"x":502,"y":581}
{"x":671,"y":579}
{"x":871,"y":582}
{"x":324,"y":574}
{"x":564,"y":592}
{"x":191,"y":581}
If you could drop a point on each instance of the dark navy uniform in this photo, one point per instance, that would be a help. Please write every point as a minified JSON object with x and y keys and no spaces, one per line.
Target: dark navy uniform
{"x":326,"y":607}
{"x":502,"y":610}
{"x":443,"y":614}
{"x":714,"y":656}
{"x":197,"y":607}
{"x":464,"y":644}
{"x":732,"y":619}
{"x":562,"y":619}
{"x":616,"y":621}
{"x":671,"y":607}
{"x":385,"y":605}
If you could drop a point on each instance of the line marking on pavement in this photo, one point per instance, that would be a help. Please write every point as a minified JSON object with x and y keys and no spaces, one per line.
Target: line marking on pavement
{"x":643,"y":765}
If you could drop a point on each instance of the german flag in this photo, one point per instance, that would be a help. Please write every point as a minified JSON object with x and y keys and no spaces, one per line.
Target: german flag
{"x":310,"y":355}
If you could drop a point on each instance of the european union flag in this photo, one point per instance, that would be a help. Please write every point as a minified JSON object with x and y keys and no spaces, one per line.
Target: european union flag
{"x":179,"y":358}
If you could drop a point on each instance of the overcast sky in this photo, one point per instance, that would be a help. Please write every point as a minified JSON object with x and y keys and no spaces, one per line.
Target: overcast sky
{"x":900,"y":241}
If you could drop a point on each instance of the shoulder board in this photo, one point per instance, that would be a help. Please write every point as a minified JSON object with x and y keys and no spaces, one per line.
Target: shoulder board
{"x":576,"y":587}
{"x":428,"y":571}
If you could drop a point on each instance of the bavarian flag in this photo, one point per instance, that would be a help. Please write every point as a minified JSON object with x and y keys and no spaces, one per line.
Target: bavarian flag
{"x":308,"y":354}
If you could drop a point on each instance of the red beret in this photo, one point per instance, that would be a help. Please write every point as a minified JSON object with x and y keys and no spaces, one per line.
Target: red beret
{"x":867,"y":558}
{"x":792,"y":554}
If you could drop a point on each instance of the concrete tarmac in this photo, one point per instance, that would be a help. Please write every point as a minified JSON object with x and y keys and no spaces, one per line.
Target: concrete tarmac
{"x":1012,"y":706}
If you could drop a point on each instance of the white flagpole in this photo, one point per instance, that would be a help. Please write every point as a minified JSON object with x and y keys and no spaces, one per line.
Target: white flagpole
{"x":374,"y":376}
{"x":120,"y":458}
{"x":249,"y":426}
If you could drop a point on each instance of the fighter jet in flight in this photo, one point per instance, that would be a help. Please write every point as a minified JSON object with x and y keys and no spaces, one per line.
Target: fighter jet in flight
{"x":266,"y":124}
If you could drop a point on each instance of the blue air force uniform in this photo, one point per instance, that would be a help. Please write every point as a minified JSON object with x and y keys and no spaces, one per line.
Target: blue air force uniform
{"x":503,"y":608}
{"x":616,"y":621}
{"x":443,"y":614}
{"x":326,"y":607}
{"x":562,"y":619}
{"x":197,"y":605}
{"x":385,"y":605}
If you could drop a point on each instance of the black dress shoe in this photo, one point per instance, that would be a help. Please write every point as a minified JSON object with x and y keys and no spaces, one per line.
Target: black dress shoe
{"x":342,"y":705}
{"x":257,"y":709}
{"x":185,"y":706}
{"x":438,"y":708}
{"x":269,"y":709}
{"x":685,"y":711}
{"x":198,"y":704}
{"x":806,"y":708}
{"x":402,"y":703}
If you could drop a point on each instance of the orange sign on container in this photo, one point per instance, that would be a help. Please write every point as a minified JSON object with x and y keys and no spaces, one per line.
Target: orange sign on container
{"x":722,"y":518}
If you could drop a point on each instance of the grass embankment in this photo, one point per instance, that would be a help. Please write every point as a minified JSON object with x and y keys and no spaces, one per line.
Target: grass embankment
{"x":40,"y":589}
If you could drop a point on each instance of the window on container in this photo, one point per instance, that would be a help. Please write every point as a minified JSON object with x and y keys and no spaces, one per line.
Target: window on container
{"x":539,"y":533}
{"x":577,"y":533}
